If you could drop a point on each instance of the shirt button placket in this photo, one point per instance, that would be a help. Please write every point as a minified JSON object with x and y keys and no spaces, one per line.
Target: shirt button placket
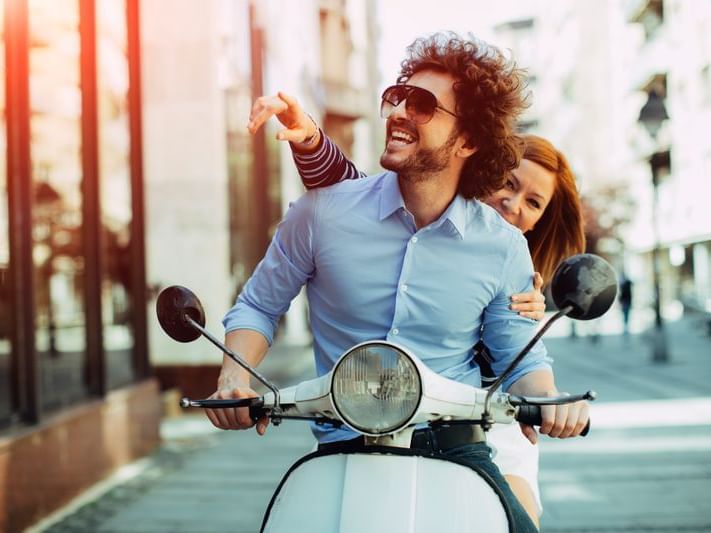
{"x":403,"y":289}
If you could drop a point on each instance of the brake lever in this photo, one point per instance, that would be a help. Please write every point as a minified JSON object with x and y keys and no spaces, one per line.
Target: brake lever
{"x":256,"y":405}
{"x":223,"y":404}
{"x":553,"y":400}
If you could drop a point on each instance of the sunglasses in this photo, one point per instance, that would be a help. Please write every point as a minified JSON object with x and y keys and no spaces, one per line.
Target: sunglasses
{"x":420,"y":104}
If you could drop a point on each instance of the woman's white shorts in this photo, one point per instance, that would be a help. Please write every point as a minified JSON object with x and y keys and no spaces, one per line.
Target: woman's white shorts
{"x":515,"y":455}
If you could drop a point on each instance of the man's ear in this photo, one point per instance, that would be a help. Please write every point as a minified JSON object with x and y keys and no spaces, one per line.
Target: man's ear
{"x":468,"y":149}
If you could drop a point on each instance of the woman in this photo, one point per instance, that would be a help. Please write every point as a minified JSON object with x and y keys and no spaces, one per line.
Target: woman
{"x":539,"y":197}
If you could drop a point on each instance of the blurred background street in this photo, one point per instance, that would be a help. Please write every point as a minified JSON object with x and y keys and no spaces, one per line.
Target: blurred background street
{"x":126,"y":167}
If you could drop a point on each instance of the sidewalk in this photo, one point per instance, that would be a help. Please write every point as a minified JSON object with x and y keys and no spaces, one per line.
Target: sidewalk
{"x":649,"y":474}
{"x":201,"y":479}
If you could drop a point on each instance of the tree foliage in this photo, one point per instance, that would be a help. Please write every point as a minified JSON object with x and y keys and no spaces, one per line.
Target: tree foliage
{"x":606,"y":212}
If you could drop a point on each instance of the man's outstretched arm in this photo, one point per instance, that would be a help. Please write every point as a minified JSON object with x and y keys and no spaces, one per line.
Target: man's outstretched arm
{"x":251,"y":323}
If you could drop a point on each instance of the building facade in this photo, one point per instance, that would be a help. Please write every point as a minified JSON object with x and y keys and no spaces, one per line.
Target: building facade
{"x":127,"y":168}
{"x":223,"y":189}
{"x":592,"y":67}
{"x":673,"y":51}
{"x":76,"y":397}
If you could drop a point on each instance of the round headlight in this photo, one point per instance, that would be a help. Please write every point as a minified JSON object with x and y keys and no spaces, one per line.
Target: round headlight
{"x":376,"y":388}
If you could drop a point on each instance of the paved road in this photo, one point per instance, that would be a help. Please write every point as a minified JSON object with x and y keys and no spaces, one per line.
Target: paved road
{"x":646,"y":466}
{"x":652,"y":479}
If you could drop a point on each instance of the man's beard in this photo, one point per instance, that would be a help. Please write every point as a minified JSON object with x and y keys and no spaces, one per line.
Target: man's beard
{"x":425,"y":162}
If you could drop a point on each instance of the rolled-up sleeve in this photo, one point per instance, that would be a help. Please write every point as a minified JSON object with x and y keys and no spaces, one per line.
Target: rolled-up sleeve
{"x":278,"y":278}
{"x":506,"y":333}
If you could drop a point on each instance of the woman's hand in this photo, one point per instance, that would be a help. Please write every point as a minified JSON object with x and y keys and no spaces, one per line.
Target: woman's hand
{"x":531,"y":304}
{"x":298,"y":126}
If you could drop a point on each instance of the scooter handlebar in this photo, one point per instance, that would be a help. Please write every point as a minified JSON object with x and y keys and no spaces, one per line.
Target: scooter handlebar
{"x":256,"y":405}
{"x":531,"y":415}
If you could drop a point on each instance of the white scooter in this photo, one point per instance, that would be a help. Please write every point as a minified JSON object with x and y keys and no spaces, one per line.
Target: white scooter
{"x":382,"y":391}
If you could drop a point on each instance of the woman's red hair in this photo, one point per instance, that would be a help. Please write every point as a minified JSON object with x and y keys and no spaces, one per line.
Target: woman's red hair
{"x":559,"y":233}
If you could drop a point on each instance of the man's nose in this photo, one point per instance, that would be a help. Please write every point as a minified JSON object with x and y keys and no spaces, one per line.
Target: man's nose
{"x":400,"y":110}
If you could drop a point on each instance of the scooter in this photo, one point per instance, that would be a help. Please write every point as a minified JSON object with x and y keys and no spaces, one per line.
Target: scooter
{"x":382,"y":391}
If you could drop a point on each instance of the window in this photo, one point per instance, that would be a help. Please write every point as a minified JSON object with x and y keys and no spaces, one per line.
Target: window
{"x":115,"y":190}
{"x":651,"y":16}
{"x":58,"y":247}
{"x":71,"y":218}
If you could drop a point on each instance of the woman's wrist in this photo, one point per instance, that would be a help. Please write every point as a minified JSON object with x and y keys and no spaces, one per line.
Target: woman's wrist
{"x":311,"y":143}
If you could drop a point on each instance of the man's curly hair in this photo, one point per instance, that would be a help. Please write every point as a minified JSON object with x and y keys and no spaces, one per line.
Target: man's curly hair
{"x":489,"y":91}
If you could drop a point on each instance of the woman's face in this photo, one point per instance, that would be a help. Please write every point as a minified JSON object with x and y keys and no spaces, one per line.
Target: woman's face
{"x":528,"y":191}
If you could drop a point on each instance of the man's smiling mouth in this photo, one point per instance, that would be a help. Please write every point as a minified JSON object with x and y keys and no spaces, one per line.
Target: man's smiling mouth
{"x":401,"y":136}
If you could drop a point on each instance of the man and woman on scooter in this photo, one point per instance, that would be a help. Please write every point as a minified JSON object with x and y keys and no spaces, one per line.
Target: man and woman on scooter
{"x":539,"y":198}
{"x":410,"y":255}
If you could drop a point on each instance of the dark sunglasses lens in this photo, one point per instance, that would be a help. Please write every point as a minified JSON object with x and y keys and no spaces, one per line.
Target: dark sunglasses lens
{"x":395,"y":94}
{"x":420,"y":105}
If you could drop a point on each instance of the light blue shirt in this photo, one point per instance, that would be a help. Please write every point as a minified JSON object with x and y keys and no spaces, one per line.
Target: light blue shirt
{"x":371,"y":274}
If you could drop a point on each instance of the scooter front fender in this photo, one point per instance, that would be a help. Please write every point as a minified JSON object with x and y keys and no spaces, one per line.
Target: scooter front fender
{"x":383,"y":492}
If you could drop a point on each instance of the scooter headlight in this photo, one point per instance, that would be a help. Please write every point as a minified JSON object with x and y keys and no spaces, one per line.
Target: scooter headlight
{"x":376,"y":388}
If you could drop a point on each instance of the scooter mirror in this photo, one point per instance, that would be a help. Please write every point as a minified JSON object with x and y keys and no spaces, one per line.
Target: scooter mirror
{"x":172,"y":307}
{"x":586,"y":282}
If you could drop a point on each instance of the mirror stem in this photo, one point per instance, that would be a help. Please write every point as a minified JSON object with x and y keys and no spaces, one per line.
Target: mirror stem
{"x":496,"y":384}
{"x":236,"y":358}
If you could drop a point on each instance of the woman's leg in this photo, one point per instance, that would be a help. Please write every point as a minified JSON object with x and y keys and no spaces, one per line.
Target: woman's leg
{"x":479,"y":456}
{"x":524,"y":494}
{"x":517,"y":459}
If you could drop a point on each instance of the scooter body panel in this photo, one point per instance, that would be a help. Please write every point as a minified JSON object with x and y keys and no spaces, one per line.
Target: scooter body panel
{"x":374,"y":492}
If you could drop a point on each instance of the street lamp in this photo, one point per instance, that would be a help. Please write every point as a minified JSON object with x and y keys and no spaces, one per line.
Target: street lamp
{"x":652,"y":116}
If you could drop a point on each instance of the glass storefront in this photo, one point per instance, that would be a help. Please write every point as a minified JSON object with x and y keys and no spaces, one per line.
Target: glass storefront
{"x":58,"y":248}
{"x":76,"y":261}
{"x":115,"y":187}
{"x":5,"y":379}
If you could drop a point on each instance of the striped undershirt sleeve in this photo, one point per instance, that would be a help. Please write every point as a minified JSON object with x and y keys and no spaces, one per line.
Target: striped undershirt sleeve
{"x":326,"y":166}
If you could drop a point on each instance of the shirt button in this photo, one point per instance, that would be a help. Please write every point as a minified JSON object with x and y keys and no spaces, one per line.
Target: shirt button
{"x":413,"y":240}
{"x":395,"y":331}
{"x":404,"y":287}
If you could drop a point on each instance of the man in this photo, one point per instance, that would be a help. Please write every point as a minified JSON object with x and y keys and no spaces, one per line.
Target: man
{"x":625,"y":297}
{"x":407,"y":255}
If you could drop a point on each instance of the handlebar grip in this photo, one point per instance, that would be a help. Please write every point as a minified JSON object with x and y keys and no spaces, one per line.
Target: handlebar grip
{"x":256,"y":412}
{"x":531,"y":415}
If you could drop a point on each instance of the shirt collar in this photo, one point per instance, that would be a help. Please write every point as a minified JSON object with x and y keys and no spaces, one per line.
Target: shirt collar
{"x":390,"y":197}
{"x":456,"y":213}
{"x":391,"y":200}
